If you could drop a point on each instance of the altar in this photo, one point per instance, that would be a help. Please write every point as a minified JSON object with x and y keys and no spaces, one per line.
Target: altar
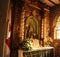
{"x":40,"y":52}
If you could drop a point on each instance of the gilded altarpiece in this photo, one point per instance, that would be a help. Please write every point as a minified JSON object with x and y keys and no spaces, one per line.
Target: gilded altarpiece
{"x":30,"y":22}
{"x":26,"y":21}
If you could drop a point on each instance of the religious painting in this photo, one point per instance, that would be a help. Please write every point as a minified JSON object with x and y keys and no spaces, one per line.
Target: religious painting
{"x":31,"y":27}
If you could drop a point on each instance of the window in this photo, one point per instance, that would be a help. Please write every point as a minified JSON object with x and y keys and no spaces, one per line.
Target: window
{"x":57,"y":29}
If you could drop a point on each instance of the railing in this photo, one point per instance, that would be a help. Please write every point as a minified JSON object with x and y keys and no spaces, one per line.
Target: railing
{"x":43,"y":52}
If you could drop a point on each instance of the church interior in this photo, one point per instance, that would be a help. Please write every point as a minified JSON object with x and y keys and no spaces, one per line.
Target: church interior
{"x":32,"y":26}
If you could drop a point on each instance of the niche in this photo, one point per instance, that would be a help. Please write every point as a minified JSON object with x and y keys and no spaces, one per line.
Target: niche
{"x":30,"y":22}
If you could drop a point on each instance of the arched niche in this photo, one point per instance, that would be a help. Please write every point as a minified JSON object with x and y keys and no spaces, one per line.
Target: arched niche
{"x":32,"y":19}
{"x":31,"y":27}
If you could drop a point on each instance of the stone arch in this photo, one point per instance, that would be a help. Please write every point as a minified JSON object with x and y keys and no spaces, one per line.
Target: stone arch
{"x":54,"y":22}
{"x":55,"y":19}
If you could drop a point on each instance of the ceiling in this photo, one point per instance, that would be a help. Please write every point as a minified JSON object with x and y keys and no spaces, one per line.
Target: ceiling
{"x":45,"y":3}
{"x":50,"y":3}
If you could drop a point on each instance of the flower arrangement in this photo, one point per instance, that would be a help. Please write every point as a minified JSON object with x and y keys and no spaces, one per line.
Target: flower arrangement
{"x":27,"y":44}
